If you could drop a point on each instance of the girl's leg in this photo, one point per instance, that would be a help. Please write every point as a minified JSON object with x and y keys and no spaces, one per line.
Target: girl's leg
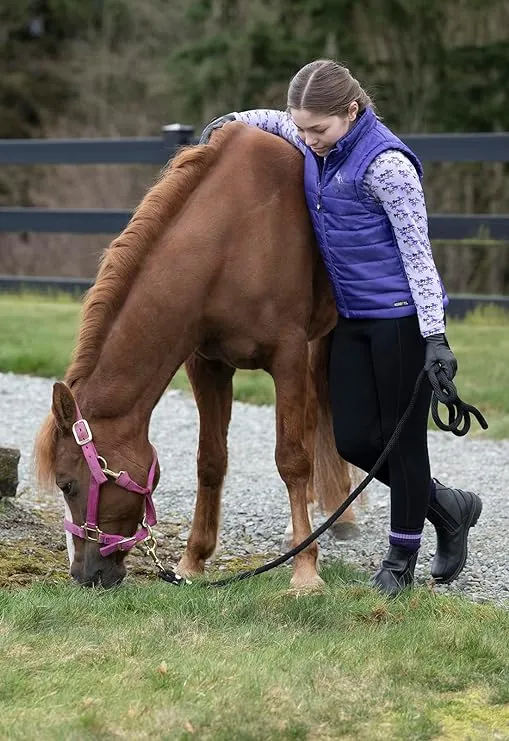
{"x":368,"y":397}
{"x":398,"y":357}
{"x":353,"y":396}
{"x":373,"y":368}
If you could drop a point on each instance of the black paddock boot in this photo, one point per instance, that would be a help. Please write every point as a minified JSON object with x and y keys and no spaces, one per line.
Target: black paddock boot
{"x":396,"y":571}
{"x":453,"y":512}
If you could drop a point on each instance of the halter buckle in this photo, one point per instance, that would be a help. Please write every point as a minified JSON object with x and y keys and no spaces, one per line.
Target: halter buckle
{"x":75,"y":432}
{"x":89,"y":531}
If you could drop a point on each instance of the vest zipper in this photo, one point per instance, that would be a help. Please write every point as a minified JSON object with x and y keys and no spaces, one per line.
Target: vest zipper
{"x":320,"y":183}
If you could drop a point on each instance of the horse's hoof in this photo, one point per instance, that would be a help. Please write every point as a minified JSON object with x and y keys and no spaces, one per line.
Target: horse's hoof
{"x":299,"y":585}
{"x":344,"y":530}
{"x":188,"y":568}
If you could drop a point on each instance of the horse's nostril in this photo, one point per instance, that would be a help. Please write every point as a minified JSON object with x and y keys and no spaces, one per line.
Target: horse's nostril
{"x":91,"y":581}
{"x":112,"y":577}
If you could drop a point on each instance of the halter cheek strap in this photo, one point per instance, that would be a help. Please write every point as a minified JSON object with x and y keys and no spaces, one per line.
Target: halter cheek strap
{"x":98,"y":476}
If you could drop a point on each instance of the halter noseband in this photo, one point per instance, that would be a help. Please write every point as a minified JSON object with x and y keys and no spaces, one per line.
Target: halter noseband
{"x":99,"y":474}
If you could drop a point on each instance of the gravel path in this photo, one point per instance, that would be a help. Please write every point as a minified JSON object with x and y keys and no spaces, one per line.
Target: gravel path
{"x":255,"y":503}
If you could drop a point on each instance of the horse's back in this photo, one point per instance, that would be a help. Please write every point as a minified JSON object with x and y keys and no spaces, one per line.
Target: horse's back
{"x":258,"y":183}
{"x":268,"y":170}
{"x":272,"y":172}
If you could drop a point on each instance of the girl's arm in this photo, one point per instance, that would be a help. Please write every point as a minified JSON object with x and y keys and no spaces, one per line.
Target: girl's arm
{"x":393,"y":181}
{"x":275,"y":122}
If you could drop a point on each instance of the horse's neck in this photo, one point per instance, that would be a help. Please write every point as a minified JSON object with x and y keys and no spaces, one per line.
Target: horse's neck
{"x":153,"y":334}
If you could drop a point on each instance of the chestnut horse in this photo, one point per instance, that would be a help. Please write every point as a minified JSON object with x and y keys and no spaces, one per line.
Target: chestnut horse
{"x":217,"y":269}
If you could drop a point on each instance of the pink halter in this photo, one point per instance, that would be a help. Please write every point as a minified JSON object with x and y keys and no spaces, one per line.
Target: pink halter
{"x":99,"y":474}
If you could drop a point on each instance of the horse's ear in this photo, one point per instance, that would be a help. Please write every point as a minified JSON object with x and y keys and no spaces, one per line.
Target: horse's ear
{"x":63,"y":407}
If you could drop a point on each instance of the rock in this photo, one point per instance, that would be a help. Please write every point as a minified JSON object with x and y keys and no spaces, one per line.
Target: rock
{"x":9,"y":458}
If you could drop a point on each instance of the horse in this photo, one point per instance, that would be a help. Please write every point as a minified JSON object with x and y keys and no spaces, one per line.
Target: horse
{"x":216,"y":270}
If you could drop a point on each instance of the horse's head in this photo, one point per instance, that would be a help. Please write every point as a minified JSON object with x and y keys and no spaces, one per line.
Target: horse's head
{"x":107,"y":511}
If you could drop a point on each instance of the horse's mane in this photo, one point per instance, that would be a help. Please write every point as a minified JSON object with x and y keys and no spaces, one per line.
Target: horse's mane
{"x":118,"y":267}
{"x":122,"y":259}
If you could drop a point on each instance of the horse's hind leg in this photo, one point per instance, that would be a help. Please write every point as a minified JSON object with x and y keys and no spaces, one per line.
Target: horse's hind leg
{"x":289,"y":370}
{"x":212,"y":385}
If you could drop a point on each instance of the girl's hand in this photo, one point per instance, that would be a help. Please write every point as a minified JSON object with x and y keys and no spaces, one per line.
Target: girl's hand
{"x":438,"y":351}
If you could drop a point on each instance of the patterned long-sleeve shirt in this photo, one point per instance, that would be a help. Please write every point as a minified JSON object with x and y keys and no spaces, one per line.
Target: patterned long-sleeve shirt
{"x":392,"y":181}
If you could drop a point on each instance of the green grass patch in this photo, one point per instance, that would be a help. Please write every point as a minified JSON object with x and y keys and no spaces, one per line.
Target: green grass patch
{"x":251,"y":662}
{"x":37,"y":335}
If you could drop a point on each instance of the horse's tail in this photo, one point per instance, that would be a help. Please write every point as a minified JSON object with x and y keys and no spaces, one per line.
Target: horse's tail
{"x":332,"y":475}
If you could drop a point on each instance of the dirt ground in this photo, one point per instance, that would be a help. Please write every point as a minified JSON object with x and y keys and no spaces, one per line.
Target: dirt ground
{"x":33,"y":546}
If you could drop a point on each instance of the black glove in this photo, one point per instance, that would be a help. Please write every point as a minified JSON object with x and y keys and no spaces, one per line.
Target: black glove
{"x":438,"y":351}
{"x":215,"y":124}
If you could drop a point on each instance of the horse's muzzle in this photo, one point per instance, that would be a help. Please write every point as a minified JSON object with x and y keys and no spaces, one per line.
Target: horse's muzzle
{"x":98,"y":571}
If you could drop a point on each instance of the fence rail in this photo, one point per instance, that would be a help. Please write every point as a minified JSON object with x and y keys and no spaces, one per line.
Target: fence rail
{"x":112,"y":221}
{"x":155,"y":150}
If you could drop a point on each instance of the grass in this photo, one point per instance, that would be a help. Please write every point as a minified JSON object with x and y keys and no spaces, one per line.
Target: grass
{"x":251,"y":662}
{"x":37,"y":335}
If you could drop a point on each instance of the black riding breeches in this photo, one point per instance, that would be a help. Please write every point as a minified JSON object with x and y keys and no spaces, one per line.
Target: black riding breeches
{"x":373,"y":367}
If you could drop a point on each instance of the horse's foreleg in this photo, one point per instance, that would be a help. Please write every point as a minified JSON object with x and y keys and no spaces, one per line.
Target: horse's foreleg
{"x":309,"y":444}
{"x":212,"y":386}
{"x":289,"y":371}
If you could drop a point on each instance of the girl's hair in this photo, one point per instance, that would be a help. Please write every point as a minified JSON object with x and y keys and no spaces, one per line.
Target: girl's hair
{"x":327,"y":88}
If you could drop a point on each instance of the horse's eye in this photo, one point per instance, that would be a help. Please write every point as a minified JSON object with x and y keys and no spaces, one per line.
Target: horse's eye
{"x":67,"y":489}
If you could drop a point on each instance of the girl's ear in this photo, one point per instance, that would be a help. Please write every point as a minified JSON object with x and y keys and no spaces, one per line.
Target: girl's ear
{"x":353,"y":110}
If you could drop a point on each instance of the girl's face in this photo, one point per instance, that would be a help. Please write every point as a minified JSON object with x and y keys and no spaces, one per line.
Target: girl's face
{"x":320,"y":133}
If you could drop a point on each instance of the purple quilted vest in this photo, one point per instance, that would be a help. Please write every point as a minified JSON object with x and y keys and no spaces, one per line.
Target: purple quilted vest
{"x":354,"y":234}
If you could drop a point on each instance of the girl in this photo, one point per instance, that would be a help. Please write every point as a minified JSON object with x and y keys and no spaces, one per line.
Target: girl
{"x":364,"y":194}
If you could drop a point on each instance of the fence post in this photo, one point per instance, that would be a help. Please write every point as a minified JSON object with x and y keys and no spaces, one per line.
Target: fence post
{"x":177,"y":135}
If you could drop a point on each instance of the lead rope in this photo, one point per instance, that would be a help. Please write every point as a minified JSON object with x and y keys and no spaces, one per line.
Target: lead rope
{"x":444,"y":392}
